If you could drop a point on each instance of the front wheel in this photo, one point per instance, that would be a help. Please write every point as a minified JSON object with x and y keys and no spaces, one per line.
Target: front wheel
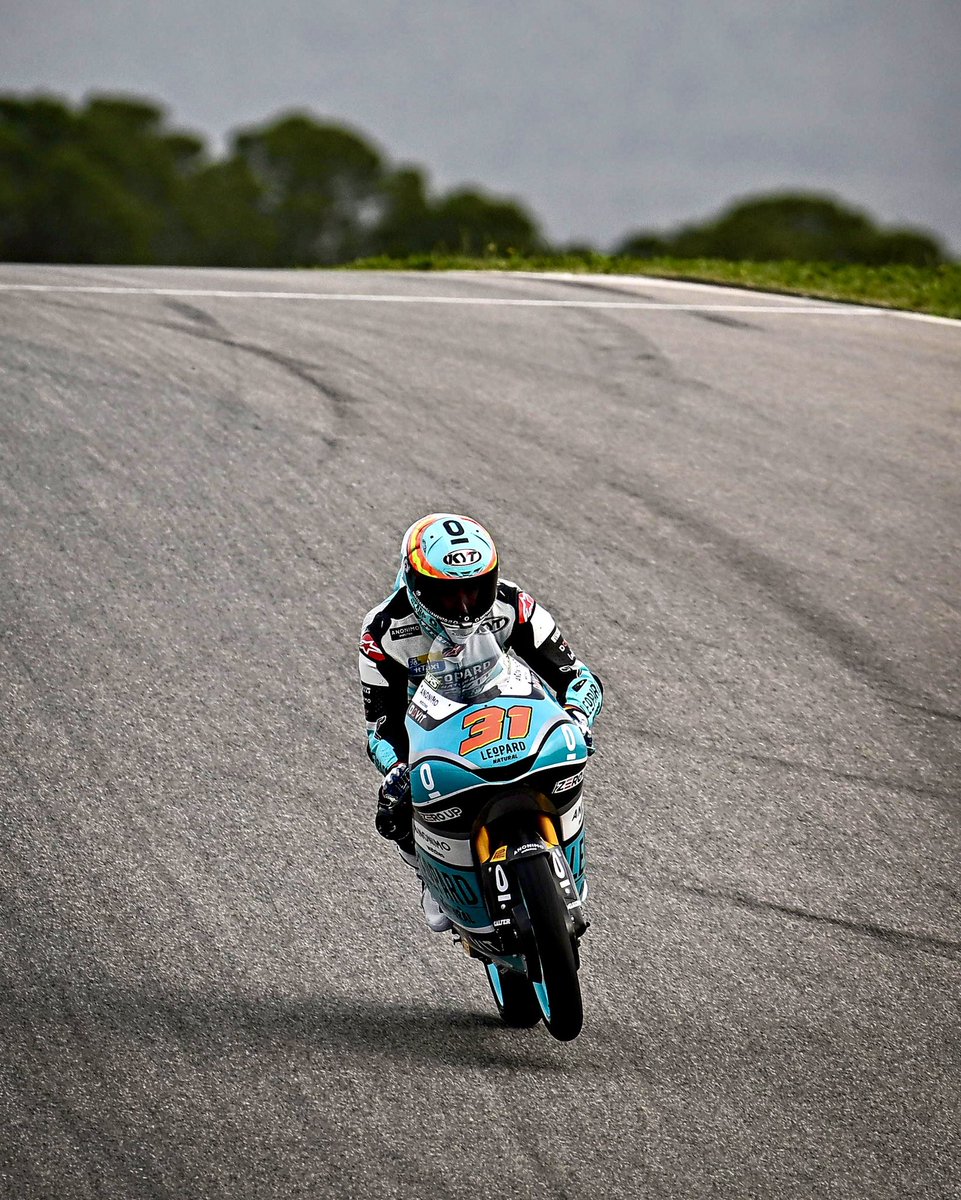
{"x":558,"y":991}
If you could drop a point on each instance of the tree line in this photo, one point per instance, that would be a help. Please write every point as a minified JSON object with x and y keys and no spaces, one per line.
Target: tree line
{"x":108,"y":181}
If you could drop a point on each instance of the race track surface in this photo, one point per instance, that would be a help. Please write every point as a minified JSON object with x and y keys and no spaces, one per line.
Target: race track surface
{"x":744,"y":512}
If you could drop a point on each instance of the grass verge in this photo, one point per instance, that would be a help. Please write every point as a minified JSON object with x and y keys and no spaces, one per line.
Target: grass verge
{"x":934,"y":290}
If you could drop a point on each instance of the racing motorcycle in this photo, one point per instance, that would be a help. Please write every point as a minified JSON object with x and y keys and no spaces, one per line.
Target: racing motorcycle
{"x":497,"y":768}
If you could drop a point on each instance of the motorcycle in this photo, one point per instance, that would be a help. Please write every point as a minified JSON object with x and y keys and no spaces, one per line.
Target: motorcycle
{"x":497,"y":768}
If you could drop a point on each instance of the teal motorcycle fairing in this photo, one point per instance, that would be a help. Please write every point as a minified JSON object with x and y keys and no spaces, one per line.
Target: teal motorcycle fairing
{"x":491,"y":751}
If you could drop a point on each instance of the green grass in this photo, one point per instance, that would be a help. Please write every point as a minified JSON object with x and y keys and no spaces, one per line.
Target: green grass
{"x":935,"y":290}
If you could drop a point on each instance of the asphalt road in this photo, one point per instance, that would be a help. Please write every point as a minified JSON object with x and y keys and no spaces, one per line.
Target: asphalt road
{"x":744,"y":512}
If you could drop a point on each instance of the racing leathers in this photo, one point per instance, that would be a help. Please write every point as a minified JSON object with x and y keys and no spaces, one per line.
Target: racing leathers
{"x":393,"y":660}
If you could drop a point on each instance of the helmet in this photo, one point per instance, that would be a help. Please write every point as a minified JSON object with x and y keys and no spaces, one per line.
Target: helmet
{"x":449,"y":566}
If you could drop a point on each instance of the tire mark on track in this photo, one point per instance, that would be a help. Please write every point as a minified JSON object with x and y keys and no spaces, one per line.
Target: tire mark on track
{"x":788,"y":764}
{"x":306,"y":372}
{"x":608,"y":289}
{"x":727,"y":322}
{"x":851,"y":647}
{"x":940,"y":713}
{"x":192,"y":313}
{"x":898,"y":939}
{"x":206,"y":327}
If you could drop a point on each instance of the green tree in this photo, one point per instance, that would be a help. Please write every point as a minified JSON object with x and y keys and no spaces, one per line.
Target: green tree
{"x":801,"y":227}
{"x":60,"y":202}
{"x":101,"y":184}
{"x":468,"y":221}
{"x":321,"y":185}
{"x":225,"y":225}
{"x":405,"y":223}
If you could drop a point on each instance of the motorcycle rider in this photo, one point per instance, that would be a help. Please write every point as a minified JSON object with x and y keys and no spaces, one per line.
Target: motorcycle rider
{"x":448,"y":586}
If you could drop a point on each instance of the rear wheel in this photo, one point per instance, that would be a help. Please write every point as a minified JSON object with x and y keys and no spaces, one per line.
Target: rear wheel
{"x":558,"y":991}
{"x":514,"y":996}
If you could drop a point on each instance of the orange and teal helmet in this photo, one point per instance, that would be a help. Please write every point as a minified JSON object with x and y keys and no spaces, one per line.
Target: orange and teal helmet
{"x":449,"y":566}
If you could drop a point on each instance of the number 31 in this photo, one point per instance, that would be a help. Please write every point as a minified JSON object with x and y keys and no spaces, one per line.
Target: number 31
{"x":487,"y":726}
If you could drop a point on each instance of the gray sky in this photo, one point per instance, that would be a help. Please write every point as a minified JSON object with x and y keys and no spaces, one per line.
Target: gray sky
{"x":603,"y":117}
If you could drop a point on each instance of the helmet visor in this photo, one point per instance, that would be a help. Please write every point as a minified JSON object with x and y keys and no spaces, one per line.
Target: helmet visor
{"x":458,"y":599}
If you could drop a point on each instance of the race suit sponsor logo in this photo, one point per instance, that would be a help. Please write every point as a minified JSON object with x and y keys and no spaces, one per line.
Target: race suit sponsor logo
{"x":561,"y":644}
{"x":462,"y":558}
{"x":417,"y":666}
{"x":446,"y":814}
{"x":369,"y":647}
{"x":565,"y":785}
{"x":525,"y":607}
{"x":585,"y":693}
{"x":405,"y":631}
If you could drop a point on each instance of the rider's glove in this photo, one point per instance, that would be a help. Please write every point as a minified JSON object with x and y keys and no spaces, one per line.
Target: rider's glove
{"x":393,"y":804}
{"x":583,"y":724}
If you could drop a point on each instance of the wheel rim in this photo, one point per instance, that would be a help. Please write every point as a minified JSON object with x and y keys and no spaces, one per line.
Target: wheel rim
{"x":540,"y":991}
{"x":495,"y":978}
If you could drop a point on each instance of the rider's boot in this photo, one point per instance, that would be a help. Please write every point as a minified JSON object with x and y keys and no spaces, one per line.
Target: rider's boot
{"x":437,"y":921}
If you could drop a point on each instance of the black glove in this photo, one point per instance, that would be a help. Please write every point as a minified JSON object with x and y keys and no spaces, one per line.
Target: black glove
{"x":583,"y":724}
{"x":393,"y":804}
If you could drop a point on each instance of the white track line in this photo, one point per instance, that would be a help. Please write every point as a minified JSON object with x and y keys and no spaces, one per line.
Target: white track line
{"x":489,"y":301}
{"x":686,"y":285}
{"x":783,"y":305}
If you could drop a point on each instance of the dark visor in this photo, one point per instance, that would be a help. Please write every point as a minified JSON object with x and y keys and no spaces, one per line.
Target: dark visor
{"x":454,"y":598}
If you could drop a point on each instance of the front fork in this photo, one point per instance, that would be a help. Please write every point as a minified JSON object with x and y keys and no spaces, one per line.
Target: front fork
{"x":496,"y":854}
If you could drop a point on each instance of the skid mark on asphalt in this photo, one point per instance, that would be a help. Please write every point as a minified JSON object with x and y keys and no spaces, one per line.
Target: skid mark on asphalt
{"x":205,"y":327}
{"x":795,"y":765}
{"x":851,"y":647}
{"x":609,"y":289}
{"x":192,"y":313}
{"x":940,"y":713}
{"x":625,"y":362}
{"x":306,"y":372}
{"x":727,"y":322}
{"x":898,"y":939}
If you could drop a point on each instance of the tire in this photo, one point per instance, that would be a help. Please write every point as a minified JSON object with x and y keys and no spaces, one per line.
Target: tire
{"x":517,"y":1002}
{"x":558,"y":991}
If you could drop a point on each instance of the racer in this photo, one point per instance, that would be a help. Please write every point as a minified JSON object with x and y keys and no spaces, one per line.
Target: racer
{"x":448,"y":586}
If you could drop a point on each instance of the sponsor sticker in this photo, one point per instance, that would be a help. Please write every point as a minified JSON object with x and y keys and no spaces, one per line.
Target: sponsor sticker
{"x":433,"y":842}
{"x":369,"y":648}
{"x":494,"y":625}
{"x":565,"y":785}
{"x":405,"y":631}
{"x":525,"y":607}
{"x":446,"y":814}
{"x":503,"y":750}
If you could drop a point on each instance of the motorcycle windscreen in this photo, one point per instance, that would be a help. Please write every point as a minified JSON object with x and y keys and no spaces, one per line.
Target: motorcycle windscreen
{"x":468,"y":673}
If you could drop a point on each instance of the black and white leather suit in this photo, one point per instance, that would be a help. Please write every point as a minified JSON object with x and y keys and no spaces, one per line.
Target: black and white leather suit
{"x":393,"y":657}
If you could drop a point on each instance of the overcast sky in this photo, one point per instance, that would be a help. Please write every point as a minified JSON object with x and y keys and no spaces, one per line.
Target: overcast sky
{"x":604,"y":117}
